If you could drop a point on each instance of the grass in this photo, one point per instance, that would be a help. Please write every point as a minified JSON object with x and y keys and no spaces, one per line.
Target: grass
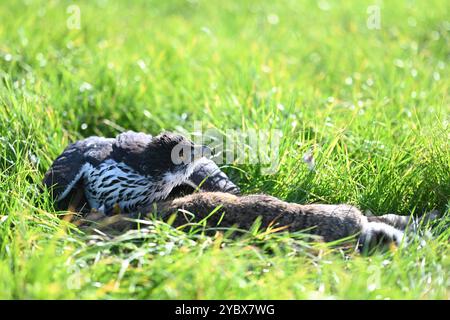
{"x":372,"y":105}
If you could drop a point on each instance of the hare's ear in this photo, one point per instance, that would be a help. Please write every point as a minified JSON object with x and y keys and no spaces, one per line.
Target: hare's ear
{"x":207,"y":176}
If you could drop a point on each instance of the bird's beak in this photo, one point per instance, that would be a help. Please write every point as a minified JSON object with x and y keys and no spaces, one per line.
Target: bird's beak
{"x":201,"y":151}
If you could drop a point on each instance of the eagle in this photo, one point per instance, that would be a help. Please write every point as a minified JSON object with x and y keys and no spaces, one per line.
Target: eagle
{"x":133,"y":170}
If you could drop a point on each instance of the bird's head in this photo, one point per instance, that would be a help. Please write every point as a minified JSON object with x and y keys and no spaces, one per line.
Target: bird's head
{"x":174,"y":155}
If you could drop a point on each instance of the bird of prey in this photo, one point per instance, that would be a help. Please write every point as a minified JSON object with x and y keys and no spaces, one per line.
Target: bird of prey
{"x":133,"y":170}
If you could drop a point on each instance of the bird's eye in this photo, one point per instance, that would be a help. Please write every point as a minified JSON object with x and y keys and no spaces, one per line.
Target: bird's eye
{"x":182,"y":154}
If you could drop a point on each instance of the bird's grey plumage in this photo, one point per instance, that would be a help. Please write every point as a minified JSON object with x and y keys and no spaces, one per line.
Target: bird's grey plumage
{"x":128,"y":148}
{"x":121,"y":159}
{"x":65,"y":171}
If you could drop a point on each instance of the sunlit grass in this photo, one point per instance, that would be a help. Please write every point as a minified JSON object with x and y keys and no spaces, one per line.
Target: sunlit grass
{"x":371,"y":105}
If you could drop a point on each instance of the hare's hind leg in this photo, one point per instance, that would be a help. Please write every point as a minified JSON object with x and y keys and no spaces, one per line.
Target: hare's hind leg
{"x":408,"y":223}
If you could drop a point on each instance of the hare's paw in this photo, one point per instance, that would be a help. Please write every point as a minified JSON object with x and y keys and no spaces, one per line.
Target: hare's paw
{"x":378,"y":235}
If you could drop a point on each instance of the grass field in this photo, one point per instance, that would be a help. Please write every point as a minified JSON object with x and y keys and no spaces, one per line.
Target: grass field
{"x":372,"y":104}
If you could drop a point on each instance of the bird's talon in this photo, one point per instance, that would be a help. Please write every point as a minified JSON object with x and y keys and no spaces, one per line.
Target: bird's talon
{"x":116,"y":209}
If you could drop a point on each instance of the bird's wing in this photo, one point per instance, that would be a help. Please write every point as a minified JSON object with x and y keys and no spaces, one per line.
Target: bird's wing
{"x":128,"y":148}
{"x":68,"y":168}
{"x":208,"y":177}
